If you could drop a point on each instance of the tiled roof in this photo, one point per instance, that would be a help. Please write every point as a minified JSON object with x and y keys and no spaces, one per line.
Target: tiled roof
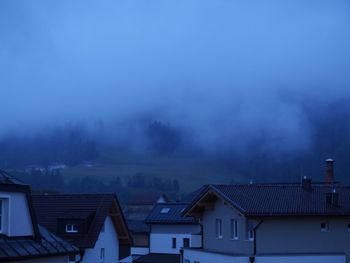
{"x":96,"y":207}
{"x":169,"y":213}
{"x":6,"y":178}
{"x":158,"y":258}
{"x":138,"y":226}
{"x":281,"y":199}
{"x":18,"y":248}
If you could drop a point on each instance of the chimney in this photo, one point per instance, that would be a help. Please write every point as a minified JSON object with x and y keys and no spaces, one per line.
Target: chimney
{"x":329,"y":179}
{"x":306,"y":183}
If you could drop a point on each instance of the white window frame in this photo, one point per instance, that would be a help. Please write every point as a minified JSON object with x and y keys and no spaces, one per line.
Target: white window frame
{"x":326,"y":228}
{"x":173,"y":242}
{"x":218,"y":228}
{"x":250,"y":235}
{"x":70,"y":228}
{"x":5,"y":217}
{"x":1,"y":215}
{"x":234,"y":229}
{"x":102,"y":254}
{"x":165,"y":210}
{"x":189,"y":242}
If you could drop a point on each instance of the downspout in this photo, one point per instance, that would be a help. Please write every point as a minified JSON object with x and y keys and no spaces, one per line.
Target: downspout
{"x":202,"y":236}
{"x":252,"y":258}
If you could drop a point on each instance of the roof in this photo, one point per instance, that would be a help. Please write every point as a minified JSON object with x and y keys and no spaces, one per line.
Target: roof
{"x":18,"y":248}
{"x":169,"y":213}
{"x":8,"y":183}
{"x":94,"y":208}
{"x":148,"y":198}
{"x":6,"y":178}
{"x":138,"y":226}
{"x":158,"y":258}
{"x":278,"y":199}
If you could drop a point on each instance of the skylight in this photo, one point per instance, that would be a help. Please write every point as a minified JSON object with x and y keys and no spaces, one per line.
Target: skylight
{"x":165,"y":210}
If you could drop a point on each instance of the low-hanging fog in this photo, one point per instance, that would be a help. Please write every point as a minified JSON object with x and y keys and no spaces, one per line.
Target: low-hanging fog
{"x":233,"y":75}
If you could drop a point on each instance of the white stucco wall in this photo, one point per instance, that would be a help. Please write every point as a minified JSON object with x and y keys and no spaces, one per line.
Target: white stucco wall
{"x":302,"y":259}
{"x":206,"y":257}
{"x":18,"y":221}
{"x":209,"y":257}
{"x":107,"y":240}
{"x":162,"y":243}
{"x":139,"y":250}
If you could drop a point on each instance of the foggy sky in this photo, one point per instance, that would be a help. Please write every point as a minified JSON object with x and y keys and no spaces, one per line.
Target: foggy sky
{"x":228,"y":71}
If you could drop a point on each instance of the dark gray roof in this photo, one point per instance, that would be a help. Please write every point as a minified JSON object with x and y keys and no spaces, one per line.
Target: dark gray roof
{"x":93,"y":208}
{"x":173,"y":216}
{"x":6,"y":178}
{"x":18,"y":248}
{"x":280,"y":199}
{"x":138,"y":226}
{"x":158,"y":258}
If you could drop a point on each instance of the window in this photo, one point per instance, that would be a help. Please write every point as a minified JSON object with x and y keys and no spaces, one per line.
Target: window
{"x":165,"y":210}
{"x":174,"y":242}
{"x":250,"y":235}
{"x":187,"y":261}
{"x":71,"y":228}
{"x":234,"y":229}
{"x":1,"y":215}
{"x":4,"y":214}
{"x":102,"y":255}
{"x":71,"y":258}
{"x":324,"y":227}
{"x":186,"y":242}
{"x":218,"y":226}
{"x":348,"y":227}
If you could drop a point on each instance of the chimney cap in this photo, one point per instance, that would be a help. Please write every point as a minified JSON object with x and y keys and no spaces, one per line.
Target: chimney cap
{"x":329,"y":160}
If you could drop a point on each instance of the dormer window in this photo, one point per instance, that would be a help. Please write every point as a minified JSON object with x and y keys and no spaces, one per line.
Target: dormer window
{"x":4,"y":220}
{"x":1,"y":215}
{"x":71,"y":228}
{"x":324,"y":227}
{"x":165,"y":210}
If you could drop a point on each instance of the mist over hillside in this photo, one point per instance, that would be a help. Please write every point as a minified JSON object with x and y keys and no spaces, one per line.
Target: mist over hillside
{"x":261,"y":89}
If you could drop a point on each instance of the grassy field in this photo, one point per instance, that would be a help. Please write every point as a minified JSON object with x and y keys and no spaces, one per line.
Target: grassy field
{"x":190,"y":172}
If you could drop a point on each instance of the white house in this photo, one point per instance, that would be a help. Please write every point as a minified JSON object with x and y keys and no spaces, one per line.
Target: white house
{"x":92,"y":222}
{"x":21,"y":238}
{"x":170,"y":232}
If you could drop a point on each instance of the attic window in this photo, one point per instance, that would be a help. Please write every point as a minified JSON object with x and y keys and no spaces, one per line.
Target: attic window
{"x":4,"y":215}
{"x":165,"y":210}
{"x":1,"y":215}
{"x":324,"y":227}
{"x":71,"y":228}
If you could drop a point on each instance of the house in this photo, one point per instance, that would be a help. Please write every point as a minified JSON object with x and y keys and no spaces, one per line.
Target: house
{"x":138,"y":207}
{"x":22,"y":240}
{"x":140,"y":204}
{"x":92,"y":222}
{"x":170,"y":232}
{"x":304,"y":222}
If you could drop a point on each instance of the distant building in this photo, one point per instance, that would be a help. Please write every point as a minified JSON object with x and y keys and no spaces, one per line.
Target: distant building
{"x":21,"y":238}
{"x":92,"y":222}
{"x":138,"y":207}
{"x":268,"y":223}
{"x":170,"y":232}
